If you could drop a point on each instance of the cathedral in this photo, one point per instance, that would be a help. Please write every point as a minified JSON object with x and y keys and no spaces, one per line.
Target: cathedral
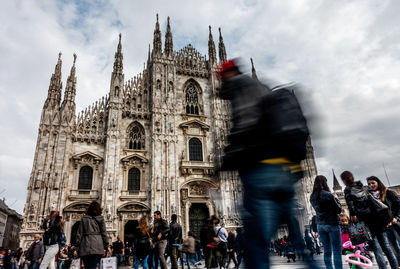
{"x":154,"y":142}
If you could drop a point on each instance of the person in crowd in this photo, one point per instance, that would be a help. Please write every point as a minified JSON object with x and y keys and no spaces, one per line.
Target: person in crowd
{"x":142,"y":244}
{"x":118,"y":250}
{"x":51,"y":239}
{"x":91,"y":237}
{"x":392,"y":200}
{"x":207,"y":236}
{"x":361,"y":209}
{"x":127,"y":251}
{"x":62,"y":256}
{"x":327,"y":206}
{"x":7,"y":259}
{"x":221,"y":237}
{"x":174,"y":240}
{"x":290,"y":252}
{"x":188,"y":248}
{"x":309,"y":243}
{"x":160,"y":235}
{"x":231,"y":248}
{"x":198,"y":255}
{"x":267,"y":157}
{"x":35,"y":253}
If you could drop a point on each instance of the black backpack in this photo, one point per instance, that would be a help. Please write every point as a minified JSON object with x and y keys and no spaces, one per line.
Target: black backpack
{"x":282,"y":128}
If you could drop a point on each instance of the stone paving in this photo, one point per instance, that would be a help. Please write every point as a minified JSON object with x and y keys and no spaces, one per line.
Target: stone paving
{"x":280,"y":263}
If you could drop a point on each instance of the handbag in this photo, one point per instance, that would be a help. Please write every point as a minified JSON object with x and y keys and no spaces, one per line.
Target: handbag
{"x":381,"y":212}
{"x":151,"y":240}
{"x":359,"y":233}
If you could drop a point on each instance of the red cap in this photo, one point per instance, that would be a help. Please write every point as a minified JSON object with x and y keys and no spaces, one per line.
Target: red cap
{"x":226,"y":66}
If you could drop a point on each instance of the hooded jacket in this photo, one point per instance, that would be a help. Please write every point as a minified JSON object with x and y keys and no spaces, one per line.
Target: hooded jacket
{"x":91,"y":237}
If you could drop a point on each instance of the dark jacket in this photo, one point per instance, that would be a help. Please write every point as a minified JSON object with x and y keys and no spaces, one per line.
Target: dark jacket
{"x":141,"y":243}
{"x":35,"y":251}
{"x":357,"y":201}
{"x":175,"y":233}
{"x":231,"y":240}
{"x":327,"y":208}
{"x":207,"y":234}
{"x":160,"y":226}
{"x":392,"y":200}
{"x":263,"y":122}
{"x":91,"y":237}
{"x":52,"y":231}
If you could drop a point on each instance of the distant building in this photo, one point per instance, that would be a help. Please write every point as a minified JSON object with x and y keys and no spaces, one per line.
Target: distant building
{"x":10,"y":226}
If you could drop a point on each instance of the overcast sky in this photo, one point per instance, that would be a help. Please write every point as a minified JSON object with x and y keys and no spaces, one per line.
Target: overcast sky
{"x":345,"y":53}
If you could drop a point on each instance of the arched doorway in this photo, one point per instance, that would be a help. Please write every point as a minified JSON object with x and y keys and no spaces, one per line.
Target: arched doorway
{"x":129,"y":231}
{"x":74,"y":231}
{"x":198,"y":214}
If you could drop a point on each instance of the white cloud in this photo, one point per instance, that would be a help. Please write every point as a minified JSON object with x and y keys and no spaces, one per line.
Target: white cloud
{"x":346,"y":53}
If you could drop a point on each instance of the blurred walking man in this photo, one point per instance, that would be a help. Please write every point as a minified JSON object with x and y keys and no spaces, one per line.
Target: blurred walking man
{"x":266,"y":144}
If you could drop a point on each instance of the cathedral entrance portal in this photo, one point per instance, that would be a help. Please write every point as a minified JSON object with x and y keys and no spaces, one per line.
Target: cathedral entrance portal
{"x":198,"y":214}
{"x":129,"y":231}
{"x":74,"y":231}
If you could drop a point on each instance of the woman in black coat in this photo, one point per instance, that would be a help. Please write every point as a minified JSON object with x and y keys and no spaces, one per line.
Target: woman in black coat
{"x":91,"y":237}
{"x":360,"y":209}
{"x":328,"y":208}
{"x":392,"y":200}
{"x":142,"y":243}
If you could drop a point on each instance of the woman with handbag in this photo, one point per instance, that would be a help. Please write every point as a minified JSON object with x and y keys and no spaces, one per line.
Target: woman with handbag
{"x":392,"y":200}
{"x":52,"y":226}
{"x":327,"y":207}
{"x":142,"y":243}
{"x":363,"y":207}
{"x":91,"y":237}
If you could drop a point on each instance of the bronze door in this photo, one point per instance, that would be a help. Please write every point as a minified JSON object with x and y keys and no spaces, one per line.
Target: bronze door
{"x":198,"y":214}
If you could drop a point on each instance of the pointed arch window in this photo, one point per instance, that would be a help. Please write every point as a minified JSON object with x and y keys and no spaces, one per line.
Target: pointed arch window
{"x":136,"y":138}
{"x":133,"y":179}
{"x":85,"y":178}
{"x":195,"y":150}
{"x":192,"y":100}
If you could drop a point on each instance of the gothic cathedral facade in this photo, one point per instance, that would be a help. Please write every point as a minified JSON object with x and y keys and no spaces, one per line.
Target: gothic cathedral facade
{"x":153,"y":143}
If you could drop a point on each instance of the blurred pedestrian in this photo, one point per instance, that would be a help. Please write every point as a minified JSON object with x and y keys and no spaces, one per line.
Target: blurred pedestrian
{"x":266,"y":144}
{"x":231,"y":248}
{"x":118,"y":250}
{"x":51,"y":239}
{"x":327,"y":206}
{"x":35,"y":253}
{"x":160,"y":235}
{"x":142,"y":244}
{"x":91,"y":238}
{"x":360,"y":208}
{"x":188,"y":248}
{"x":174,"y":240}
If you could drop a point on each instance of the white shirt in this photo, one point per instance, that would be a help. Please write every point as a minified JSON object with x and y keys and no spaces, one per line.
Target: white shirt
{"x":222,"y":234}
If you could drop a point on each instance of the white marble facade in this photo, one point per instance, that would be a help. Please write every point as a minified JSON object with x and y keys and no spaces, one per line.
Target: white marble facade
{"x":152,"y":143}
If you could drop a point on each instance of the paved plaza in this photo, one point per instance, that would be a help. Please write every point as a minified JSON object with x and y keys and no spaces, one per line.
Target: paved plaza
{"x":281,"y":263}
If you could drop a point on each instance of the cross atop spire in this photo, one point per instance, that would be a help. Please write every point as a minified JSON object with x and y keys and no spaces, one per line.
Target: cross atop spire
{"x":221,"y":47}
{"x":70,"y":89}
{"x":253,"y":70}
{"x":118,"y":57}
{"x":212,"y":54}
{"x":168,"y":41}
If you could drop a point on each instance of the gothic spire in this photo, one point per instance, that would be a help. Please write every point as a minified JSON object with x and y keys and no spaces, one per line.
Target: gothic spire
{"x":118,"y":65}
{"x":168,"y":41}
{"x":70,"y":89}
{"x":253,"y":70}
{"x":336,"y":185}
{"x":55,"y":87}
{"x":221,"y":48}
{"x":148,"y":57}
{"x":211,"y":49}
{"x":157,"y":39}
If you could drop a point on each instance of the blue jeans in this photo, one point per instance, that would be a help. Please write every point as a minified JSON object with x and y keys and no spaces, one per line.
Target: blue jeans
{"x":394,"y":241}
{"x":141,"y":261}
{"x":331,"y":239}
{"x":268,"y":200}
{"x":34,"y":265}
{"x":379,"y":245}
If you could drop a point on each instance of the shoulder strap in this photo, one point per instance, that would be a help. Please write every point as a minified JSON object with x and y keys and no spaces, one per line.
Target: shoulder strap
{"x":218,"y":232}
